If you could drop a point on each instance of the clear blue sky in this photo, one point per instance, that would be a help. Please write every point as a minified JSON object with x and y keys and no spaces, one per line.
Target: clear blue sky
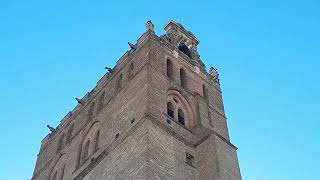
{"x":267,"y":52}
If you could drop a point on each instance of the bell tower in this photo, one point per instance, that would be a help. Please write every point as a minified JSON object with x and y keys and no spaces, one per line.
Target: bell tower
{"x":184,"y":40}
{"x":158,"y":114}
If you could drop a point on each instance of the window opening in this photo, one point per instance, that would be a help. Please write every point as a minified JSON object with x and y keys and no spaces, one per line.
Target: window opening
{"x":181,"y":117}
{"x":170,"y":109}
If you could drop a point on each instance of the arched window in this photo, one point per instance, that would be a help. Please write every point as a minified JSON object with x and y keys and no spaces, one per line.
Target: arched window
{"x":119,"y":83}
{"x":96,"y":141}
{"x":57,"y":168}
{"x":169,"y":68}
{"x":86,"y":150}
{"x":101,"y":102}
{"x":181,"y":119}
{"x":183,"y":48}
{"x":183,"y":78}
{"x":60,"y":143}
{"x":69,"y":134}
{"x":204,"y":91}
{"x":90,"y":112}
{"x":170,"y":109}
{"x":130,"y":72}
{"x":131,"y":67}
{"x":180,"y":109}
{"x":89,"y":143}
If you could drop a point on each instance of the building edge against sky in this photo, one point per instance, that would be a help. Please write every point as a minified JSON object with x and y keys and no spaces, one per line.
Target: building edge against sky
{"x":156,"y":115}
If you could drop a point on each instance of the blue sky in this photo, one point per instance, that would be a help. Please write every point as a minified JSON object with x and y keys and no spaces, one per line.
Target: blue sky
{"x":267,"y":52}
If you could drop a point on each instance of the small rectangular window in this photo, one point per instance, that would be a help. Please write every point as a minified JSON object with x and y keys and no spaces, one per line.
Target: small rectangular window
{"x":117,"y":135}
{"x":169,"y":69}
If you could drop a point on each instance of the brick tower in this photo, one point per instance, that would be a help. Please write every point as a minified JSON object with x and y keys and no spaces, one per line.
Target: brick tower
{"x":156,"y":115}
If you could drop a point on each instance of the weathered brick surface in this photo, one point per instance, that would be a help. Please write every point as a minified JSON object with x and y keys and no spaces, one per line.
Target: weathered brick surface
{"x":123,"y":130}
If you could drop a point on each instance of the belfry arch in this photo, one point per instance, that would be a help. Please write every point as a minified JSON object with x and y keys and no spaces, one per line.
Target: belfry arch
{"x":181,"y":105}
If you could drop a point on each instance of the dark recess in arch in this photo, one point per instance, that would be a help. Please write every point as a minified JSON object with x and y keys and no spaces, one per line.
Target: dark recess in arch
{"x":183,"y":48}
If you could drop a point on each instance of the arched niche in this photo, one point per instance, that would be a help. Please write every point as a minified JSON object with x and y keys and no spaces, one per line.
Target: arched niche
{"x":58,"y":168}
{"x":89,"y":143}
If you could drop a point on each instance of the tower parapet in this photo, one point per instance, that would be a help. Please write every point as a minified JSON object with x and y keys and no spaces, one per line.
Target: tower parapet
{"x":183,"y":40}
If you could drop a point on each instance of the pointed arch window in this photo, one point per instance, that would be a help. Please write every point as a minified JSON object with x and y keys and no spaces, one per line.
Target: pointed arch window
{"x":69,"y":134}
{"x":90,"y":112}
{"x":96,"y":140}
{"x":169,"y":68}
{"x":86,"y":150}
{"x":181,"y":119}
{"x":60,"y":143}
{"x":57,"y":171}
{"x":183,"y":78}
{"x":89,"y":143}
{"x":130,"y":72}
{"x":101,"y":101}
{"x":170,"y":109}
{"x":119,"y":83}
